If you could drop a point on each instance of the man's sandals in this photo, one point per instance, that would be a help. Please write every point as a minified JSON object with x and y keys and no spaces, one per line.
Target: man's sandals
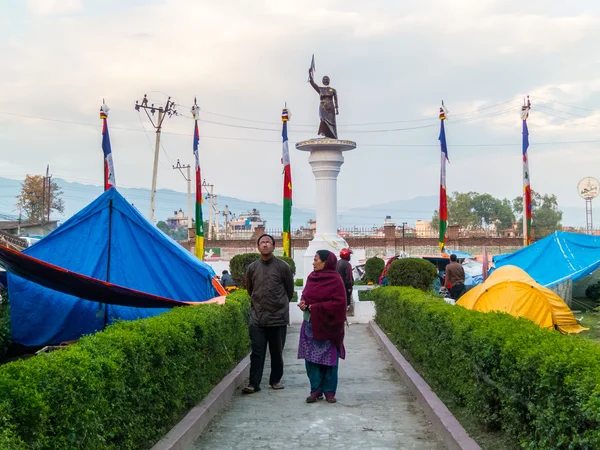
{"x":250,"y":390}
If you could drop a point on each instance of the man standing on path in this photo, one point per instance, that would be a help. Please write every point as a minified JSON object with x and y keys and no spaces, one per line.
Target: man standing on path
{"x":344,"y":268}
{"x":270,"y":284}
{"x":455,"y":278}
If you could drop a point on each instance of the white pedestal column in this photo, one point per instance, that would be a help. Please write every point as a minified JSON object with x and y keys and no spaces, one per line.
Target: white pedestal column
{"x":325,"y":159}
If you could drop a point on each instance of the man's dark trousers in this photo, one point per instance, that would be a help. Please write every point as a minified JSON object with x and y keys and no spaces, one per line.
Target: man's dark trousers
{"x":260,"y":337}
{"x":457,"y":290}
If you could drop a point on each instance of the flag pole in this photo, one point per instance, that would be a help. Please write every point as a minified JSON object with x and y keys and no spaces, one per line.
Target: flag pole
{"x":109,"y":170}
{"x":199,"y":241}
{"x":443,"y":211}
{"x":287,"y":185}
{"x":527,"y":206}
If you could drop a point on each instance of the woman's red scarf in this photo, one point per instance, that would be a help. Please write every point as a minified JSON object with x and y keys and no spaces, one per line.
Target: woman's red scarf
{"x":326,"y":295}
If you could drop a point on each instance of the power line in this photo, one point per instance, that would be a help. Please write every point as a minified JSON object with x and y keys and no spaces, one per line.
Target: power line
{"x":566,"y":119}
{"x":355,"y":124}
{"x":563,"y":104}
{"x":560,"y":111}
{"x":143,"y":130}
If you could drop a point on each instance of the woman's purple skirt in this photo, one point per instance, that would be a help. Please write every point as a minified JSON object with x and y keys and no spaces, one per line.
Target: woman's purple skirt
{"x":314,"y":350}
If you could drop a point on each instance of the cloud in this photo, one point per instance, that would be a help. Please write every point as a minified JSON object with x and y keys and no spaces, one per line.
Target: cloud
{"x":53,"y":7}
{"x":389,"y":61}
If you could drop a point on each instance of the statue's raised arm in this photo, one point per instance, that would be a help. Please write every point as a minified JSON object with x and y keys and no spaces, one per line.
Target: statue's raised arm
{"x":328,"y":106}
{"x":312,"y":81}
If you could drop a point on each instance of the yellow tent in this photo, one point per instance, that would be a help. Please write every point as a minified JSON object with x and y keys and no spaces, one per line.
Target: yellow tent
{"x":511,"y":290}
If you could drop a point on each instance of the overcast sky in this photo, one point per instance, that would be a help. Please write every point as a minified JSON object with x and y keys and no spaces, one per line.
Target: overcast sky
{"x":391,"y":62}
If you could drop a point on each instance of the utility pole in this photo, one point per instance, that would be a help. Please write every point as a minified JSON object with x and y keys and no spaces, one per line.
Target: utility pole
{"x":403,"y":241}
{"x":19,"y":223}
{"x":43,"y":200}
{"x":49,"y":178}
{"x":189,"y":186}
{"x":168,"y":110}
{"x":210,"y":196}
{"x":216,"y":206}
{"x":226,"y":213}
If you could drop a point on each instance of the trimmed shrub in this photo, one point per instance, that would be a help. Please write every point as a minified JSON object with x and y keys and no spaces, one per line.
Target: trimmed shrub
{"x":373,"y":269}
{"x":540,"y":387}
{"x":593,"y":291}
{"x":5,"y":328}
{"x":125,"y":387}
{"x":414,"y":272}
{"x":290,"y":262}
{"x":366,"y":295}
{"x":299,"y":282}
{"x":238,"y":266}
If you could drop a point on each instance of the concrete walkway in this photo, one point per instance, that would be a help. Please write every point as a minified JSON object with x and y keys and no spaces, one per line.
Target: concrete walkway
{"x":374,"y":409}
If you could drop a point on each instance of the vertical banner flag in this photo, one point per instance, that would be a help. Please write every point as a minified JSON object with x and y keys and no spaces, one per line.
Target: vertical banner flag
{"x":199,"y":247}
{"x":287,"y":186}
{"x":527,"y":206}
{"x":109,"y":170}
{"x":444,"y":157}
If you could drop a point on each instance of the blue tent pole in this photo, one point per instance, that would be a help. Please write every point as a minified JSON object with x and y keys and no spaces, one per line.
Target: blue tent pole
{"x":110,"y":211}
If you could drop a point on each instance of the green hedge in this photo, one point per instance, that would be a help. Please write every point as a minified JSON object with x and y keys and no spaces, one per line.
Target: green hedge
{"x":125,"y":387}
{"x":366,"y":295}
{"x":238,"y":266}
{"x":373,"y":269}
{"x":540,"y":387}
{"x":593,"y":291}
{"x":290,"y":262}
{"x":5,"y":328}
{"x":414,"y":272}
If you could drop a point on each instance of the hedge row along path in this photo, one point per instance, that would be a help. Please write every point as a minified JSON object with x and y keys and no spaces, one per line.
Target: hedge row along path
{"x":374,"y":410}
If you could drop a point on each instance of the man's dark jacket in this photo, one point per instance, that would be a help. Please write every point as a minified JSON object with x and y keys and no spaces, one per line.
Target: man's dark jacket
{"x":270,"y":285}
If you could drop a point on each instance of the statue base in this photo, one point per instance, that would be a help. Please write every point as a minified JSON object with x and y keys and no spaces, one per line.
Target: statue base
{"x":326,"y":144}
{"x":326,"y":159}
{"x":332,"y":242}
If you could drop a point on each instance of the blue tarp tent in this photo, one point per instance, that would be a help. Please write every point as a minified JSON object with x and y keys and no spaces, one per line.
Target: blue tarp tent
{"x":557,"y":258}
{"x":111,"y":241}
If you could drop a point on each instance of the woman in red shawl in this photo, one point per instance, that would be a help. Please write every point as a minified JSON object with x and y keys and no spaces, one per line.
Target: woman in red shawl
{"x":322,"y":334}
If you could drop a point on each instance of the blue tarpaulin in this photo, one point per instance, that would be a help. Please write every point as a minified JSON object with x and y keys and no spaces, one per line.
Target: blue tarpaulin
{"x":556,"y":258}
{"x":109,"y":240}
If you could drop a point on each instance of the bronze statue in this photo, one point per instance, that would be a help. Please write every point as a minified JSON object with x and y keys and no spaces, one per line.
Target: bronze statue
{"x":328,"y":107}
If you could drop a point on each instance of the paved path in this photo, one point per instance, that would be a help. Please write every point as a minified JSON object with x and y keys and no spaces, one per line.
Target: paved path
{"x":375,"y":410}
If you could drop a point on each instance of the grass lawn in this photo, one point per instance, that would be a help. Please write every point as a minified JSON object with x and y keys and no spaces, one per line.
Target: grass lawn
{"x":591,"y":317}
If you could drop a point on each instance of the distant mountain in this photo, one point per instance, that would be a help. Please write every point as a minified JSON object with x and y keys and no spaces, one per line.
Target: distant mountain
{"x":77,"y":196}
{"x":409,"y":211}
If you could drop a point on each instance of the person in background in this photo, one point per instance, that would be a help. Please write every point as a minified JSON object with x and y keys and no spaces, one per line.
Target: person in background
{"x":344,"y":268}
{"x":226,"y":279}
{"x":322,"y":333}
{"x":270,"y":284}
{"x":455,"y":278}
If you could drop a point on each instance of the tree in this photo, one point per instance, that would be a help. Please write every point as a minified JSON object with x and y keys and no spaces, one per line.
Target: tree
{"x":471,"y":210}
{"x":546,"y":215}
{"x":162,"y":226}
{"x":40,"y":196}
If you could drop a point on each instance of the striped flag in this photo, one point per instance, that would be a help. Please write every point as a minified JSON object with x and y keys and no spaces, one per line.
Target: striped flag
{"x":527,"y":206}
{"x":287,"y":186}
{"x":199,"y":247}
{"x":443,"y":202}
{"x":109,"y":170}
